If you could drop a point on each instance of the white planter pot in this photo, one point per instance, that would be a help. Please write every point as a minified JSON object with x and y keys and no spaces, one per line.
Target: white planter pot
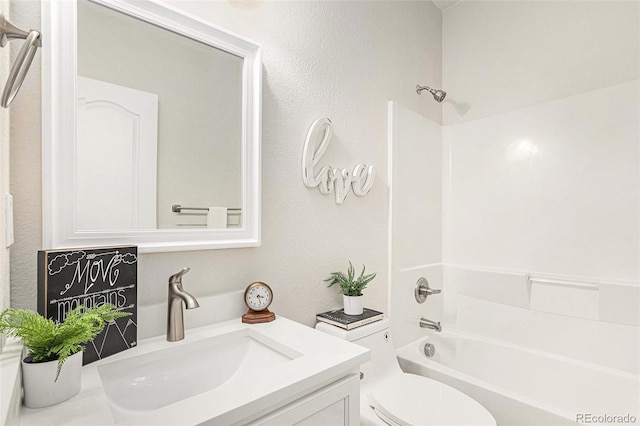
{"x":353,"y":304}
{"x":40,"y":387}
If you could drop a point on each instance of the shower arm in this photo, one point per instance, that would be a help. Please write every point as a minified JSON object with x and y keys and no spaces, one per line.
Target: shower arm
{"x":438,"y":94}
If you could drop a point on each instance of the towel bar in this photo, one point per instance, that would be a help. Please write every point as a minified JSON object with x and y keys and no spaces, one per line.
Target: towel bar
{"x":19,"y":70}
{"x":177,"y":208}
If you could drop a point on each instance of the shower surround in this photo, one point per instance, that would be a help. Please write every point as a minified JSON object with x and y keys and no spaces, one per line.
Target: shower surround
{"x":540,"y":188}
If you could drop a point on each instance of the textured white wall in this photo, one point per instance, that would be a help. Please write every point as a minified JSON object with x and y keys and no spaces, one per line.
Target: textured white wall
{"x":4,"y":178}
{"x":25,"y":168}
{"x":341,"y":60}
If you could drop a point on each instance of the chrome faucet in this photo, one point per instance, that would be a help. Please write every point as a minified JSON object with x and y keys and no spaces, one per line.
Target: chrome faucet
{"x":427,"y":323}
{"x":177,"y":295}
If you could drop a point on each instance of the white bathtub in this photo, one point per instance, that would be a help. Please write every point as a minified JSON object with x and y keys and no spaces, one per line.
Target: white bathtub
{"x":520,"y":386}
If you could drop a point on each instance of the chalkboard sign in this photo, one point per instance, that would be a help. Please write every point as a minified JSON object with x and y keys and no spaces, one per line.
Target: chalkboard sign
{"x":92,"y":277}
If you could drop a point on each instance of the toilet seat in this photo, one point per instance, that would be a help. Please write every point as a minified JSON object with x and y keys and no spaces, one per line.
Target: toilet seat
{"x":410,"y":400}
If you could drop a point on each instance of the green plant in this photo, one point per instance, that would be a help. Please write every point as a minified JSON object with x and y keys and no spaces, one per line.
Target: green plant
{"x":47,"y":340}
{"x":349,"y":284}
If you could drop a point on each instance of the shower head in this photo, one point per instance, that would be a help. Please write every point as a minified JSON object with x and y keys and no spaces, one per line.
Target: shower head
{"x":438,"y":94}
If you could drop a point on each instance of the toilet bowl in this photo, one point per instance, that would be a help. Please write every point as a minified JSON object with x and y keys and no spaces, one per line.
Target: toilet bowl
{"x":388,"y":396}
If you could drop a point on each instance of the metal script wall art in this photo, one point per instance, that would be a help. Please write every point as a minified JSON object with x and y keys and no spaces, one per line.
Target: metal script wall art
{"x":331,"y":179}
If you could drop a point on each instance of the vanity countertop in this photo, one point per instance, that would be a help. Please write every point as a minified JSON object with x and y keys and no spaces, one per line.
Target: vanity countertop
{"x":323,"y":359}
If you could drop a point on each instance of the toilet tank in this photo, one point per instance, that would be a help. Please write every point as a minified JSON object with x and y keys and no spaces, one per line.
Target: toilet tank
{"x":377,"y":338}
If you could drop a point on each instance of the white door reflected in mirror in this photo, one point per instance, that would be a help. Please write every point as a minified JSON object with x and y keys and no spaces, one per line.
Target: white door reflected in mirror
{"x":116,"y":126}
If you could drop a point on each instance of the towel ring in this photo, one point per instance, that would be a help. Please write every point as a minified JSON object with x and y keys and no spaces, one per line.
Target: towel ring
{"x":20,"y":68}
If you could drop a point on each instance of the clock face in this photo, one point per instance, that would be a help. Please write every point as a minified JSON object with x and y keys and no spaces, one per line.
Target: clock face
{"x":258,"y":296}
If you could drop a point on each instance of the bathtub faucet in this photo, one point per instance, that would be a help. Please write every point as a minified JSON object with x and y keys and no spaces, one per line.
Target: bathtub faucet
{"x":426,"y":323}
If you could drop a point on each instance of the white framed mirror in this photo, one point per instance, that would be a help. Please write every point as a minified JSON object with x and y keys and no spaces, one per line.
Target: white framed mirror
{"x":151,"y":129}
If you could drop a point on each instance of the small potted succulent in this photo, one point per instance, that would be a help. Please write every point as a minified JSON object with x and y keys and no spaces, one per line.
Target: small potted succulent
{"x":351,"y":288}
{"x":51,"y":370}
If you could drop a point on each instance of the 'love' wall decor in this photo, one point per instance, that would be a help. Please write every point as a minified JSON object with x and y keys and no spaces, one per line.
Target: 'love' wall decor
{"x":331,"y":179}
{"x":92,"y":277}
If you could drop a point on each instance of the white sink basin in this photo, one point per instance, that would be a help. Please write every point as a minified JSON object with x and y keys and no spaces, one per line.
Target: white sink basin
{"x":154,"y":380}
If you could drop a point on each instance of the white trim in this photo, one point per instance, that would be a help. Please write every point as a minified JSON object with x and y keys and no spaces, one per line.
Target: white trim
{"x":392,"y":113}
{"x":58,"y":132}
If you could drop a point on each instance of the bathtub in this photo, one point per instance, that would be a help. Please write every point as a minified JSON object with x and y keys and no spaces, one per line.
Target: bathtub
{"x":521,"y":386}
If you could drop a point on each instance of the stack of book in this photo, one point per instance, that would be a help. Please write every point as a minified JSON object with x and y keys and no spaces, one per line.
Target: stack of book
{"x":349,"y":322}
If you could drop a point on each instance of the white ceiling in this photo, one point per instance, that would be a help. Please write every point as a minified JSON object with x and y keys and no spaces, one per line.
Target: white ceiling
{"x":445,"y":4}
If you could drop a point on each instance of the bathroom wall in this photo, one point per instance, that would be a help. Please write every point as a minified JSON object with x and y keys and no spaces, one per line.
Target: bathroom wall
{"x":25,"y":170}
{"x":342,"y":60}
{"x":541,"y":183}
{"x":499,"y":56}
{"x":4,"y":178}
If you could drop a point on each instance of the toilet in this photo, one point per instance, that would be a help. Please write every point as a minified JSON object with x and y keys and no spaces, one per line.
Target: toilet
{"x":388,"y":396}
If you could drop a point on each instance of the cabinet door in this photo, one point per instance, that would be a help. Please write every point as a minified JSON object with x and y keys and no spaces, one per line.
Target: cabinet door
{"x":336,"y":404}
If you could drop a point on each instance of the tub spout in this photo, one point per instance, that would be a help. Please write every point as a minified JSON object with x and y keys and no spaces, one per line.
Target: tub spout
{"x":427,"y":323}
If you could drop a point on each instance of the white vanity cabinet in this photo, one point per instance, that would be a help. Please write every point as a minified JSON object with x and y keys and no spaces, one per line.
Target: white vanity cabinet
{"x":335,"y":404}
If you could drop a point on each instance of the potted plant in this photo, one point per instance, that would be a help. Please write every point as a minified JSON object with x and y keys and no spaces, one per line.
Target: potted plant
{"x":351,"y":288}
{"x":51,"y":370}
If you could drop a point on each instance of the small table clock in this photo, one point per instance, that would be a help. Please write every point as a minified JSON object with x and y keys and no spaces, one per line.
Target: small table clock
{"x":258,"y":296}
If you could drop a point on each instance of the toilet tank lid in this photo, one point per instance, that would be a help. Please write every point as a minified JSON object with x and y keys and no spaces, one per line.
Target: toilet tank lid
{"x":356,"y":333}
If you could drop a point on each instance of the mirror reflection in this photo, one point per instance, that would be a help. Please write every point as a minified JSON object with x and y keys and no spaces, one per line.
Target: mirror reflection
{"x":159,"y":124}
